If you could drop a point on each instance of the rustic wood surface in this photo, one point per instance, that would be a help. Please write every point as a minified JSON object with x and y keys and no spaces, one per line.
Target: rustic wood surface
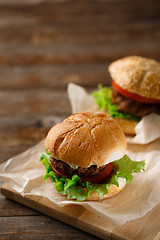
{"x":146,"y":227}
{"x":44,"y":45}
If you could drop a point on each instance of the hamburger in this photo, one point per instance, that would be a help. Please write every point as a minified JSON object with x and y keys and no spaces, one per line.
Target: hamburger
{"x":85,"y":157}
{"x":135,"y":91}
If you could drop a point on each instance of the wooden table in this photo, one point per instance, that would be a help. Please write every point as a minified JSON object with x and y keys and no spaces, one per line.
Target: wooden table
{"x":44,"y":45}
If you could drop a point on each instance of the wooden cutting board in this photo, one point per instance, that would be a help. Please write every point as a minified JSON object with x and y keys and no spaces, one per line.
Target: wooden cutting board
{"x":144,"y":228}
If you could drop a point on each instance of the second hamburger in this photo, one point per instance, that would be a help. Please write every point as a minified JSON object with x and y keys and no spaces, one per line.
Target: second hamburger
{"x":135,"y":91}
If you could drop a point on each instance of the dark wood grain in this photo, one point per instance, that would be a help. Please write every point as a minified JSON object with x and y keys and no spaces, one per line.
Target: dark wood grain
{"x":17,"y":134}
{"x":54,"y":76}
{"x":33,"y":102}
{"x":9,"y":208}
{"x":85,"y":32}
{"x":44,"y":45}
{"x":38,"y":227}
{"x":68,"y":52}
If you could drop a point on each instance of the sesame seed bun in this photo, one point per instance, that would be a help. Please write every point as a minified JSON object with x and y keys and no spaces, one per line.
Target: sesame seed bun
{"x":137,"y":75}
{"x":86,"y":138}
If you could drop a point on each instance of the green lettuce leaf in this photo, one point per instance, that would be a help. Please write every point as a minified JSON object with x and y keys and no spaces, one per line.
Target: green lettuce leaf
{"x":45,"y":159}
{"x":76,"y":193}
{"x":103,"y":98}
{"x":75,"y":189}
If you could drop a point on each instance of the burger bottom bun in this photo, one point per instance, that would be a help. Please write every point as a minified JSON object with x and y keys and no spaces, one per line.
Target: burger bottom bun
{"x":113,"y":190}
{"x":128,"y":126}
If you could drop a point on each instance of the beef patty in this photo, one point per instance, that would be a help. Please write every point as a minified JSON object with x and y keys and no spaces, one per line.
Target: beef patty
{"x":91,"y":171}
{"x":129,"y":106}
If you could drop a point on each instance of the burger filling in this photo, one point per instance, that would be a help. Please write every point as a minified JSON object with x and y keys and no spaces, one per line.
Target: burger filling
{"x":119,"y":106}
{"x":91,"y":171}
{"x":79,"y":183}
{"x":132,"y":107}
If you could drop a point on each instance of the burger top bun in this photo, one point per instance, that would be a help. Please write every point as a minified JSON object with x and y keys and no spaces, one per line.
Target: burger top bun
{"x":137,"y":75}
{"x":86,"y":138}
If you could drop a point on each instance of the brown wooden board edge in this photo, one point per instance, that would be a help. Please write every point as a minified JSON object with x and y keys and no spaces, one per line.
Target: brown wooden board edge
{"x":75,"y":217}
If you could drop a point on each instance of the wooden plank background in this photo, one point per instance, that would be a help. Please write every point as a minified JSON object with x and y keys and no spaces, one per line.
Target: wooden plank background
{"x":44,"y":45}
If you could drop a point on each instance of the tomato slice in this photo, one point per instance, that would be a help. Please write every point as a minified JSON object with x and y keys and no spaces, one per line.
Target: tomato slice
{"x":102,"y":176}
{"x":96,"y":179}
{"x":133,"y":96}
{"x":60,"y":173}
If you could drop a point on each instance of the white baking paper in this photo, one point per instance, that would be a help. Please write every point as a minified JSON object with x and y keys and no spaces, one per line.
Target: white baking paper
{"x":24,"y":173}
